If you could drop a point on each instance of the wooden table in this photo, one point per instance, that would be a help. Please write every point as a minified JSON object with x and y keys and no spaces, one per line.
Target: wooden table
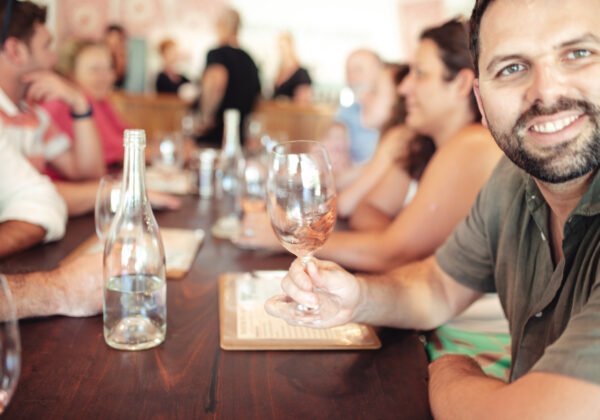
{"x":69,"y":372}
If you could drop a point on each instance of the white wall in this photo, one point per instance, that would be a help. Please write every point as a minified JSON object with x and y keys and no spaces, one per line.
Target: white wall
{"x":325,"y":31}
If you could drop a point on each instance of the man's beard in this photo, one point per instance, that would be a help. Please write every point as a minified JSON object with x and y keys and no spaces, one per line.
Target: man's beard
{"x":561,"y":163}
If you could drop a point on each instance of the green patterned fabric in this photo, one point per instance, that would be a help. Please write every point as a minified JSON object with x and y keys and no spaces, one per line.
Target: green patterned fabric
{"x":491,"y":351}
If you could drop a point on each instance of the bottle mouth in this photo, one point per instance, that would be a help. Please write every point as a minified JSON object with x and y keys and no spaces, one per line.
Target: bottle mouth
{"x":134,"y":137}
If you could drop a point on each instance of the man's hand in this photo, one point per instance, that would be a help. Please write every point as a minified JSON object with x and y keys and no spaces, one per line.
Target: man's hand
{"x":45,"y":85}
{"x":304,"y":284}
{"x":80,"y":285}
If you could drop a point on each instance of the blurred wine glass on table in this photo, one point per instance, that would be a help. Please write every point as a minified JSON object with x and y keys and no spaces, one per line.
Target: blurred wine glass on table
{"x":254,"y":178}
{"x":170,"y":154}
{"x":253,"y":190}
{"x":301,"y":202}
{"x":107,"y":203}
{"x":10,"y":346}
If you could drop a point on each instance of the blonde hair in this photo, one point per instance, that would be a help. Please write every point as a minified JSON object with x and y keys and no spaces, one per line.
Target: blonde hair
{"x":70,"y":51}
{"x":165,"y":44}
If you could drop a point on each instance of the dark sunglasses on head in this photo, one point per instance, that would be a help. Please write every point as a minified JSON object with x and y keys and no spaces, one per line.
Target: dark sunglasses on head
{"x":6,"y":21}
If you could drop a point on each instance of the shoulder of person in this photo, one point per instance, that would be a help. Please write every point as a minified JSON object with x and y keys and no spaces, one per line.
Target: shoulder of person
{"x":473,"y":140}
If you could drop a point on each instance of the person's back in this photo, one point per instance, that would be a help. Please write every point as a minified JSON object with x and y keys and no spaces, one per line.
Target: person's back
{"x":230,"y":80}
{"x":243,"y":84}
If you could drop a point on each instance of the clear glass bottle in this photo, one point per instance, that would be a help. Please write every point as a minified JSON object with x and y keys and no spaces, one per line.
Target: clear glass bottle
{"x":230,"y":166}
{"x":135,"y":311}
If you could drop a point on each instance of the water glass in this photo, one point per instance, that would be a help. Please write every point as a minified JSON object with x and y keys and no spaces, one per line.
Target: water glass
{"x":10,"y":346}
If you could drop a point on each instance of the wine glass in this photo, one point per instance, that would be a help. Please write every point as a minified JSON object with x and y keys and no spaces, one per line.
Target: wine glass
{"x":301,"y":202}
{"x":107,"y":203}
{"x":254,"y":178}
{"x":10,"y":346}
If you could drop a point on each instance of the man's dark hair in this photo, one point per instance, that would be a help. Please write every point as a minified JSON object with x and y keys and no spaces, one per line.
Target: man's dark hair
{"x":475,"y":25}
{"x":452,"y":40}
{"x":22,"y":20}
{"x":115,"y":27}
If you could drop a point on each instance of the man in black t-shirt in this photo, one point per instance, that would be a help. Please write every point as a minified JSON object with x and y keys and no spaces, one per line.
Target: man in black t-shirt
{"x":230,"y":80}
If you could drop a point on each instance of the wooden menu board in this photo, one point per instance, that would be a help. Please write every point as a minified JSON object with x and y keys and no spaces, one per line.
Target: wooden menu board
{"x":244,"y":324}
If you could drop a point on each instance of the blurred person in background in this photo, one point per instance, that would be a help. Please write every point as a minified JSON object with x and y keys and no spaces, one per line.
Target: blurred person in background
{"x":169,"y":80}
{"x":441,"y":105}
{"x":348,"y":141}
{"x":384,"y":110}
{"x":115,"y":37}
{"x":26,"y":79}
{"x":292,"y":81}
{"x":230,"y":80}
{"x":31,"y":210}
{"x":88,"y":64}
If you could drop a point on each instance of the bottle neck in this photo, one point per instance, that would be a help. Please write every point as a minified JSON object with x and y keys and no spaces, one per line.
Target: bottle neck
{"x":134,"y":185}
{"x":231,"y":139}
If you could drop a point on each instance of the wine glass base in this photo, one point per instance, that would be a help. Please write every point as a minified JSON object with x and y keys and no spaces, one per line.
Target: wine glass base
{"x":294,"y":313}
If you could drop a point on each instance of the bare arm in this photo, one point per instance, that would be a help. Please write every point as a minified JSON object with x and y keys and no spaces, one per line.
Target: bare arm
{"x":303,"y":94}
{"x":17,"y":236}
{"x":446,"y":192}
{"x":214,"y":84}
{"x":391,"y":146}
{"x":458,"y":388}
{"x":74,"y":289}
{"x":79,"y":196}
{"x":378,"y":209}
{"x":84,"y":160}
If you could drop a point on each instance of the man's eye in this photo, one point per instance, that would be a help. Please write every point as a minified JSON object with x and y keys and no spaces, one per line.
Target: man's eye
{"x":511,"y":69}
{"x":580,"y":53}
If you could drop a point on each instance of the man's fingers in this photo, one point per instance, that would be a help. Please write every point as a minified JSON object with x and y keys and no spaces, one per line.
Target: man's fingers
{"x":300,"y":295}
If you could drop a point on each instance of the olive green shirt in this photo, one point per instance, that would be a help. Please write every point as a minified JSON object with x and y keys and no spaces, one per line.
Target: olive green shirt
{"x":553,"y":311}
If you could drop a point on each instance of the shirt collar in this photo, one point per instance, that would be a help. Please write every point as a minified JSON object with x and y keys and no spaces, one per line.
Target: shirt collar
{"x":7,"y":105}
{"x":589,"y":205}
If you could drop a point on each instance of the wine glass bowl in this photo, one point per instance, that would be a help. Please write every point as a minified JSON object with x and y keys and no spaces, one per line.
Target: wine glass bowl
{"x":107,"y":202}
{"x":301,"y":202}
{"x":10,"y":346}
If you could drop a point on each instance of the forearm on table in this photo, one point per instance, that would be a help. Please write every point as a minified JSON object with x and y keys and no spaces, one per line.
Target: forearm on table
{"x":18,"y":235}
{"x":34,"y":294}
{"x":459,"y":389}
{"x":79,"y":196}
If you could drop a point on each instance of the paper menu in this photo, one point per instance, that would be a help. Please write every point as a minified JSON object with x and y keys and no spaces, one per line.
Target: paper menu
{"x":181,"y":247}
{"x":246,"y":325}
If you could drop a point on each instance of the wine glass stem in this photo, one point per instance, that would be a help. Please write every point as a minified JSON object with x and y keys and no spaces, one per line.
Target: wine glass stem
{"x":305,"y":259}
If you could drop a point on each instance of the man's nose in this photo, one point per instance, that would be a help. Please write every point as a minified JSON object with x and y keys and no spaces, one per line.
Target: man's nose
{"x":546,"y":84}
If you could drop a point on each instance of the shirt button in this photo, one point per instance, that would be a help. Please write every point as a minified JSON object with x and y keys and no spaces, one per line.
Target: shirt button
{"x":539,"y":314}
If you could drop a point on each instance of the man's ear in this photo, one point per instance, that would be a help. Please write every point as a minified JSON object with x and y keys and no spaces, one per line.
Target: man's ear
{"x":479,"y":102}
{"x":15,"y":51}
